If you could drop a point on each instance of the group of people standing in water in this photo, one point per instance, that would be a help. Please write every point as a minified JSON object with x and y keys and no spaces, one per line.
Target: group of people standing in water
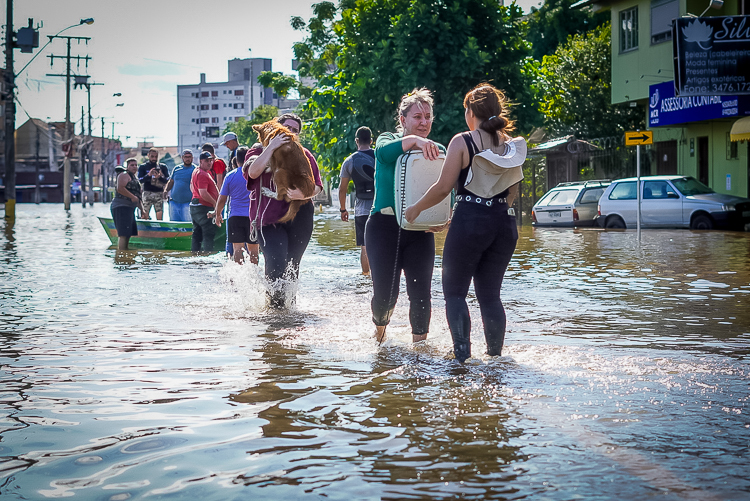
{"x":481,"y":236}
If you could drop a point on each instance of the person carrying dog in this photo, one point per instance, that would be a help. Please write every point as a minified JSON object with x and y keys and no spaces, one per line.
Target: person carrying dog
{"x":360,"y":168}
{"x":390,"y":249}
{"x":282,"y":244}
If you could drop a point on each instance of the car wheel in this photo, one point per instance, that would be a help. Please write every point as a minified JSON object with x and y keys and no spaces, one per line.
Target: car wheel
{"x":615,"y":223}
{"x":701,"y":222}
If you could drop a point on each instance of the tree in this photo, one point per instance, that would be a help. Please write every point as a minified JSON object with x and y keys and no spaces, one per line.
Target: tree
{"x":551,"y":24}
{"x":282,"y":84}
{"x":575,"y":89}
{"x":375,"y":51}
{"x":244,"y":128}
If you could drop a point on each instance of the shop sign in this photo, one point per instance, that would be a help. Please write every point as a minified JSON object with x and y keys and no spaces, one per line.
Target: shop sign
{"x":664,"y":108}
{"x":711,"y":55}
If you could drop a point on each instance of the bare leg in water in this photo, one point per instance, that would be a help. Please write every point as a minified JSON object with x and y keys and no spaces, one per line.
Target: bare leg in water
{"x":380,"y":335}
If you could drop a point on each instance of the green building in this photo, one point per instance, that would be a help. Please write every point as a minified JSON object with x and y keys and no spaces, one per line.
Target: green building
{"x":691,"y":135}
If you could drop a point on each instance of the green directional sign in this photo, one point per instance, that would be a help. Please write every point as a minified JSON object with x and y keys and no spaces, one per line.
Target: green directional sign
{"x":636,"y":138}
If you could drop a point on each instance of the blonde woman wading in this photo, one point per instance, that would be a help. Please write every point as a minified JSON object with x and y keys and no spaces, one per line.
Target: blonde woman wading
{"x":391,"y":250}
{"x":482,"y":235}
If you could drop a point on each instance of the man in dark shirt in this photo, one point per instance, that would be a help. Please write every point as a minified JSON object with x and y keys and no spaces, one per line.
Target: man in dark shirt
{"x":153,"y":177}
{"x":360,"y":168}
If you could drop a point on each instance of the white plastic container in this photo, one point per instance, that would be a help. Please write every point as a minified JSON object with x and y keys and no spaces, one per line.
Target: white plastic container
{"x":414,"y":176}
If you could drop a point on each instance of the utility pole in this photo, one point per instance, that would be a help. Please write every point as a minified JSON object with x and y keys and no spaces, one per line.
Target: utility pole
{"x":67,"y":139}
{"x":10,"y":118}
{"x":37,"y":188}
{"x":91,"y":138}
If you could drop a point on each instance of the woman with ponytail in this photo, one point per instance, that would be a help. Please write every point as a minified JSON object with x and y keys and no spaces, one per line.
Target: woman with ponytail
{"x":482,"y":235}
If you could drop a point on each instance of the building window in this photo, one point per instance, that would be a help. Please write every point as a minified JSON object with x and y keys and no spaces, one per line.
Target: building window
{"x":229,"y":91}
{"x":239,"y":106}
{"x":214,"y":106}
{"x":204,"y":106}
{"x":247,"y":74}
{"x":214,"y":93}
{"x":629,"y":29}
{"x":192,"y":120}
{"x":237,"y":119}
{"x":663,"y":12}
{"x":239,"y":92}
{"x":204,"y":93}
{"x":192,"y":107}
{"x":204,"y":120}
{"x":732,"y":152}
{"x":214,"y":120}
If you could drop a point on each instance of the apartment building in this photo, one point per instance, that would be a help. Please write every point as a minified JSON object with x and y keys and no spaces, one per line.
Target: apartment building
{"x":204,"y":109}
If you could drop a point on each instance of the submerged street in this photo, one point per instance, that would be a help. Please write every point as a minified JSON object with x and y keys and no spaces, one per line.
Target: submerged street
{"x":144,"y":374}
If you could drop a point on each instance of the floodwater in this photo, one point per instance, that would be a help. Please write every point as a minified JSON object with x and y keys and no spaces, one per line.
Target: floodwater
{"x":158,"y":375}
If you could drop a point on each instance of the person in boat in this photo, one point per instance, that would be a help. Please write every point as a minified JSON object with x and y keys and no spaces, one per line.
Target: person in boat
{"x":391,"y":250}
{"x":482,"y":236}
{"x":283,"y":244}
{"x":127,"y":199}
{"x":234,"y":189}
{"x":205,"y":195}
{"x":179,"y":186}
{"x":153,"y":176}
{"x":359,"y":167}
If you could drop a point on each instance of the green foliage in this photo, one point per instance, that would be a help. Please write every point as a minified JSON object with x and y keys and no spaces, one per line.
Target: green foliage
{"x":574,"y":89}
{"x":377,"y":50}
{"x":280,"y":83}
{"x":244,"y":127}
{"x":553,"y":22}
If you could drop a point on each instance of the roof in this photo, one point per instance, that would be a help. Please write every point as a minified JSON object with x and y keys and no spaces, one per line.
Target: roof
{"x":551,"y":144}
{"x":572,"y":145}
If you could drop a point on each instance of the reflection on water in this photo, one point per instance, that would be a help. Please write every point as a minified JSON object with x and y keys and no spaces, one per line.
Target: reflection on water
{"x":158,"y":374}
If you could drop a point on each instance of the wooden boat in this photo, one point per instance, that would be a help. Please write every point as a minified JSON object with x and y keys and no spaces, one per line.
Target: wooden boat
{"x":166,"y":235}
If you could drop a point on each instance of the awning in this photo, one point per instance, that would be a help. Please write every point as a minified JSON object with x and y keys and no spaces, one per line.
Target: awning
{"x":740,"y":130}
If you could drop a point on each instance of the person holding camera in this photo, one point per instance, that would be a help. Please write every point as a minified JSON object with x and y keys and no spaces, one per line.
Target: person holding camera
{"x":153,"y":177}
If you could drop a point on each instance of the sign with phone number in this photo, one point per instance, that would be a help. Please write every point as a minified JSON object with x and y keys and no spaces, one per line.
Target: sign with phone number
{"x":664,"y":108}
{"x":711,"y":55}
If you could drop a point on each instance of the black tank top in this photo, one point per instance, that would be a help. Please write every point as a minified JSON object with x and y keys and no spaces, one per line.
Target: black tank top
{"x":473,"y":150}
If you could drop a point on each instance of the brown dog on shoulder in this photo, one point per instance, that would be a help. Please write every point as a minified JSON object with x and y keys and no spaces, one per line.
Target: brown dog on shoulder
{"x":289,"y":165}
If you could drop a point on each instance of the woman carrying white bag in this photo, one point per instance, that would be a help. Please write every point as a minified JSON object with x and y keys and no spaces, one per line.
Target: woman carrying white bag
{"x":390,"y":248}
{"x":484,"y":165}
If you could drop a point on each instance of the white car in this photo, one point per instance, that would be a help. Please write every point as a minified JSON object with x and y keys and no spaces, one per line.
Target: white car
{"x":569,"y":204}
{"x":671,"y":202}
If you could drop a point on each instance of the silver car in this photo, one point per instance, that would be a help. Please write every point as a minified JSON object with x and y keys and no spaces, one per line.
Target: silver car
{"x":569,"y":204}
{"x":671,"y":202}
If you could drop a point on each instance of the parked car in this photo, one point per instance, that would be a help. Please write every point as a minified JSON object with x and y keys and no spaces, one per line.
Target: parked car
{"x":569,"y":204}
{"x":671,"y":202}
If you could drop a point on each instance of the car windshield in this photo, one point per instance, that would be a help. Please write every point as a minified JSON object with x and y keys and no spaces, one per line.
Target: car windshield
{"x":689,"y":186}
{"x":561,"y":197}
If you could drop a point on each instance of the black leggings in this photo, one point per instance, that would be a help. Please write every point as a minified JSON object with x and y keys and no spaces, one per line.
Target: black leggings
{"x":283,"y":245}
{"x":415,"y":256}
{"x":204,"y":229}
{"x":479,"y":245}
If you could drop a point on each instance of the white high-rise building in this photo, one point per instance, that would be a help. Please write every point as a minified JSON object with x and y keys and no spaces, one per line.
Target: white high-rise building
{"x":204,"y":109}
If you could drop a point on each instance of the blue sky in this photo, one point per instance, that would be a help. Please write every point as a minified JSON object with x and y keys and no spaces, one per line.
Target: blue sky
{"x":143,"y":49}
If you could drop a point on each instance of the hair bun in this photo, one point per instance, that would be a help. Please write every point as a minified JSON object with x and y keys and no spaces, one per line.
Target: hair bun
{"x":497,"y":123}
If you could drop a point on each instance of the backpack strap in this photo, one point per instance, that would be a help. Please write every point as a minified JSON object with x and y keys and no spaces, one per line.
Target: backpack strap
{"x":470,"y":145}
